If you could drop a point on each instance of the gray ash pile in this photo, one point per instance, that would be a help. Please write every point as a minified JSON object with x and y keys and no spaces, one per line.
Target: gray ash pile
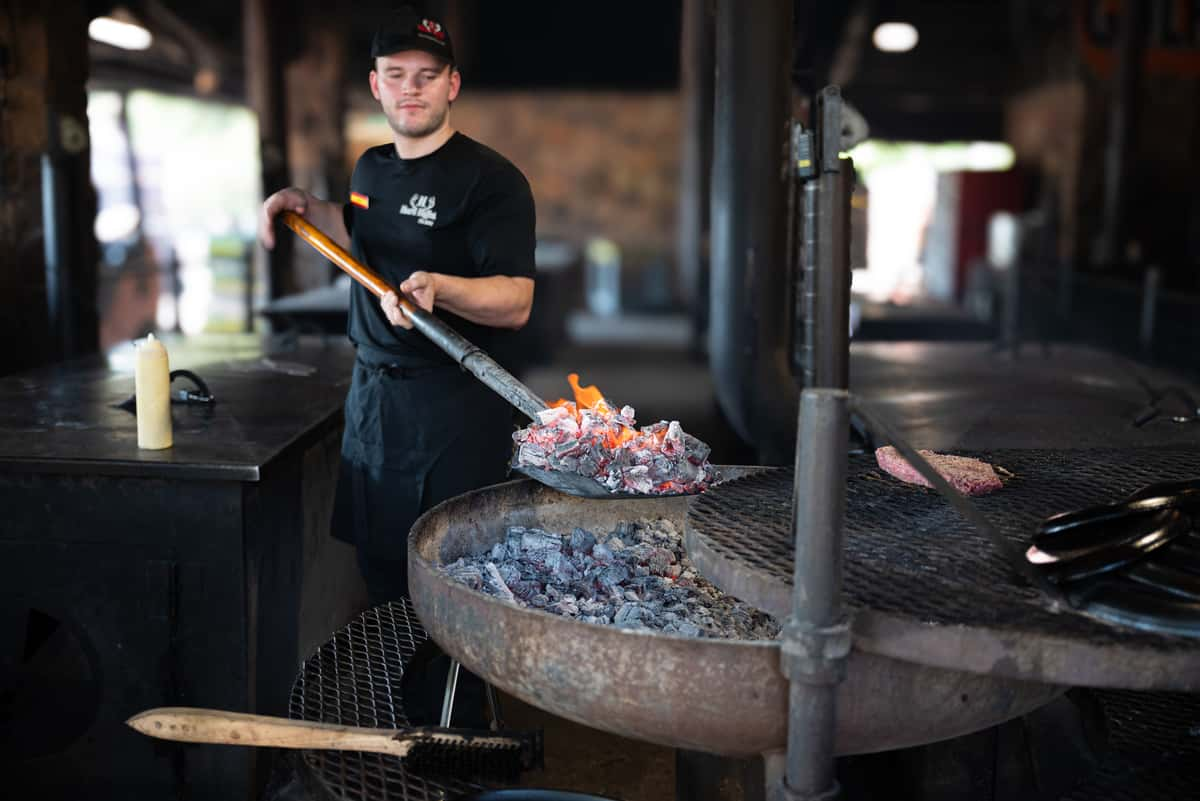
{"x":591,"y":437}
{"x":634,"y":577}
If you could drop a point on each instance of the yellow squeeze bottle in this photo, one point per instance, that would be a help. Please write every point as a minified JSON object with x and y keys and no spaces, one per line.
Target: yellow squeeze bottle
{"x":152,"y":387}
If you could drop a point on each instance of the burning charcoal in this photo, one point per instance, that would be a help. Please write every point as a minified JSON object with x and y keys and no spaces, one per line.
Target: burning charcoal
{"x":496,"y":583}
{"x":509,"y":572}
{"x":612,"y":576}
{"x":529,"y":455}
{"x":582,"y":540}
{"x":571,"y":447}
{"x":660,"y":561}
{"x":673,"y":443}
{"x":627,"y":578}
{"x":553,"y":416}
{"x":696,"y":450}
{"x":537,"y":540}
{"x":628,"y":613}
{"x":566,"y":606}
{"x":602,"y":552}
{"x":468,"y":575}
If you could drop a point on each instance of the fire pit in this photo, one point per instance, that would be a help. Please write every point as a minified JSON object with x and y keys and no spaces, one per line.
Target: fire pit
{"x":721,"y":696}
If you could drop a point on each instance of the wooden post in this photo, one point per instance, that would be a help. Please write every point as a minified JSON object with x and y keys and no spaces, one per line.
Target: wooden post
{"x":316,"y":110}
{"x":47,"y":206}
{"x":263,"y":58}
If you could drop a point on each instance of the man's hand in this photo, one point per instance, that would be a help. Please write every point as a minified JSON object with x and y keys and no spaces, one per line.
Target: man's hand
{"x":420,"y":288}
{"x":290,"y":199}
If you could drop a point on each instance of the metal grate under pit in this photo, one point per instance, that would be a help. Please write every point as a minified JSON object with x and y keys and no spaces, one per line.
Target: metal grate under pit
{"x":908,"y":552}
{"x":354,"y":679}
{"x":1155,"y":749}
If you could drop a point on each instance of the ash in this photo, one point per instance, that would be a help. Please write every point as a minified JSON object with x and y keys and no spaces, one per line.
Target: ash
{"x":634,"y":577}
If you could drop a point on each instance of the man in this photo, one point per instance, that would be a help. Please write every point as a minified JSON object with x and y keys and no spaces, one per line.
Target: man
{"x":451,"y":224}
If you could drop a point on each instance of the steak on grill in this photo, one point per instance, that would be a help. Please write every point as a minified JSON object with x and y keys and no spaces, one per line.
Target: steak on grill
{"x":968,"y":476}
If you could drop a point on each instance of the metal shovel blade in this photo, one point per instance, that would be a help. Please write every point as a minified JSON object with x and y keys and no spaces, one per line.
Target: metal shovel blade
{"x":584,"y":487}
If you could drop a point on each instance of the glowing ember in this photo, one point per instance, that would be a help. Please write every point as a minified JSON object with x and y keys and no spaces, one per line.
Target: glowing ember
{"x":591,"y":437}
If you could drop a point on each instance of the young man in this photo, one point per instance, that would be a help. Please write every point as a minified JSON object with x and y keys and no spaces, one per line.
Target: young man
{"x":451,"y":224}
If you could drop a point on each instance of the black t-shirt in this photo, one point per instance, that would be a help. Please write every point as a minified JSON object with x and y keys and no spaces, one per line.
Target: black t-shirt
{"x":462,"y":210}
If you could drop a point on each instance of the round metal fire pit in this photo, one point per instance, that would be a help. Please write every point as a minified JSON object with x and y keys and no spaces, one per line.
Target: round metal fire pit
{"x":720,"y":696}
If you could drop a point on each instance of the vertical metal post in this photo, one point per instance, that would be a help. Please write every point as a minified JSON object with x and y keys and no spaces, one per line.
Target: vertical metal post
{"x":808,"y":303}
{"x":697,"y":68}
{"x":1149,"y":307}
{"x":1126,"y":86}
{"x":748,"y":326}
{"x":1012,"y":308}
{"x":831,"y":329}
{"x":816,"y":638}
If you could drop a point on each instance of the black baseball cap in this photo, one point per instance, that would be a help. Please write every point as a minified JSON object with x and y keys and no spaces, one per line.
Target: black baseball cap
{"x":405,"y":29}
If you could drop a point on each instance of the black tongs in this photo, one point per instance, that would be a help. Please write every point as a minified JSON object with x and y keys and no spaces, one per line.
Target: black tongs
{"x":1076,"y":545}
{"x":200,"y":395}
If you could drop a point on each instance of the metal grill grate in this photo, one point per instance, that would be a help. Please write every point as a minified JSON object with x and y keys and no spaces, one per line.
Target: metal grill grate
{"x":354,"y":679}
{"x":908,"y":553}
{"x":1155,"y":739}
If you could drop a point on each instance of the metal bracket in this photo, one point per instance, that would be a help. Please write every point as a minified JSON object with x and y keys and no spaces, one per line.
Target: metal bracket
{"x":815,"y":655}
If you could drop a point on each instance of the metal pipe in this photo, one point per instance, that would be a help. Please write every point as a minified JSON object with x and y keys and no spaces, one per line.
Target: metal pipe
{"x":1149,"y":308}
{"x":808,"y":285}
{"x":1126,"y":86}
{"x":697,"y":73}
{"x":749,"y":328}
{"x":816,"y":638}
{"x":1012,"y":308}
{"x":831,"y":344}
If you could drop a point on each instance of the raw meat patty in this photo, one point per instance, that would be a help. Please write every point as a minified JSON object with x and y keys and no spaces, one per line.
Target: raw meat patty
{"x":968,"y":476}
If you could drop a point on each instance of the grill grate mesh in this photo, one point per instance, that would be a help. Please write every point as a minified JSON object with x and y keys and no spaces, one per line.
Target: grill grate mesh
{"x":354,"y":679}
{"x":908,"y":553}
{"x":1155,"y":741}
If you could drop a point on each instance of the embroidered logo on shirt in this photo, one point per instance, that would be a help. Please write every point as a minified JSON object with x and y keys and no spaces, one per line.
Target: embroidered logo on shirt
{"x":421,"y":207}
{"x":362,"y":201}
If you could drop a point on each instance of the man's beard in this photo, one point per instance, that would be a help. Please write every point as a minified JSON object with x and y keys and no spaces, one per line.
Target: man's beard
{"x":415,"y":131}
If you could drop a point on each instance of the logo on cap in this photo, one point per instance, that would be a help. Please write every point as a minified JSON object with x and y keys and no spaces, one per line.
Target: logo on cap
{"x":432,"y":28}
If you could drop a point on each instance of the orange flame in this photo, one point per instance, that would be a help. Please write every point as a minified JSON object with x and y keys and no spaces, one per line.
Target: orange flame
{"x":591,"y":398}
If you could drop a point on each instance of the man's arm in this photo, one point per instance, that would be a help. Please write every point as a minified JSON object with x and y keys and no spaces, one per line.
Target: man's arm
{"x":500,"y":301}
{"x":324,"y":214}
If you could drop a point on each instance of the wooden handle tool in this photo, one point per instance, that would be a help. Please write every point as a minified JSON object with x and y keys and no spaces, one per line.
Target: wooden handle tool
{"x":192,"y":725}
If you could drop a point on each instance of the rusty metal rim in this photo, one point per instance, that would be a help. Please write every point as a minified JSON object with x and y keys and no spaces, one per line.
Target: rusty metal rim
{"x":974,"y":649}
{"x":715,"y":695}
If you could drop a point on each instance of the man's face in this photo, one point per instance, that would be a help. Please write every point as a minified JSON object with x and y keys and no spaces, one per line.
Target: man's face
{"x":415,"y":89}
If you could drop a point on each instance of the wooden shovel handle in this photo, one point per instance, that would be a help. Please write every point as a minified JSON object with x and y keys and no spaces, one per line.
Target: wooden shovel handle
{"x":192,"y":725}
{"x":338,"y":255}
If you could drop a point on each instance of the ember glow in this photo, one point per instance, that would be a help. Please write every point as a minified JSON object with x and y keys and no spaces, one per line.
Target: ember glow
{"x":591,"y":437}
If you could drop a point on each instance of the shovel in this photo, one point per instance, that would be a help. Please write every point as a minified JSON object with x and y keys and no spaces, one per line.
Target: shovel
{"x":469,"y":357}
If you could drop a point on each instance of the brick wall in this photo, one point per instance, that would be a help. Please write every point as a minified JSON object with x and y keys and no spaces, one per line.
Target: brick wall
{"x":600,"y":164}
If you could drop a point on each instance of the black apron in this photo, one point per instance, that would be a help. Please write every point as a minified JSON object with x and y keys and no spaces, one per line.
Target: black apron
{"x":414,"y":437}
